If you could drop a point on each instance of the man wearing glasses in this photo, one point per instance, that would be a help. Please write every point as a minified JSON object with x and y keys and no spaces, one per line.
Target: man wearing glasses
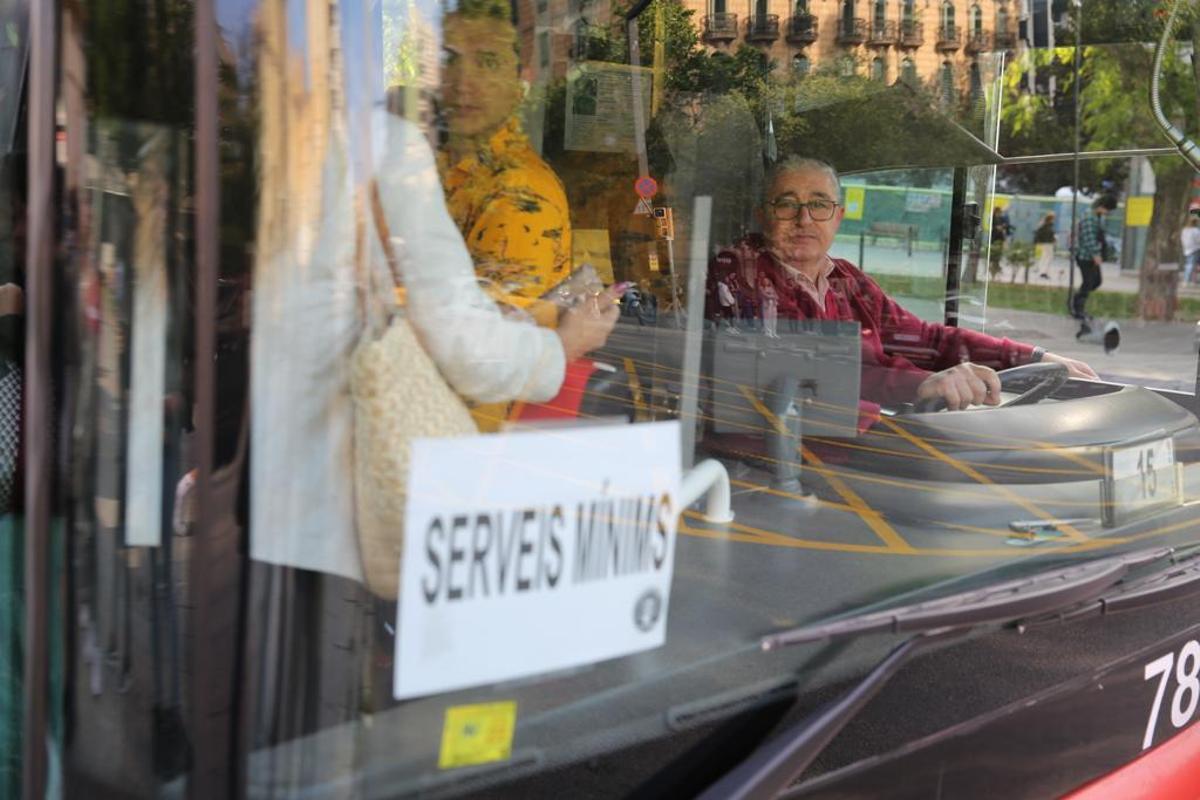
{"x":904,"y":358}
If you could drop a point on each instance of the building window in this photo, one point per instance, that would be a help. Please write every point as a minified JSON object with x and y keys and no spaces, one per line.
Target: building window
{"x":846,"y":66}
{"x":880,"y":15}
{"x":879,"y":70}
{"x":976,"y":83}
{"x":718,"y":6}
{"x":1001,"y":20}
{"x":543,"y":40}
{"x":848,"y":13}
{"x":947,"y":83}
{"x":908,"y":71}
{"x":948,"y":17}
{"x":800,"y":65}
{"x":801,"y":8}
{"x":908,"y":12}
{"x":581,"y":45}
{"x":976,"y":19}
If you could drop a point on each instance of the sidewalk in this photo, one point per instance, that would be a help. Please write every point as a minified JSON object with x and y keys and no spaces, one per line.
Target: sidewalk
{"x":1160,"y":354}
{"x":883,"y":259}
{"x":1114,"y":279}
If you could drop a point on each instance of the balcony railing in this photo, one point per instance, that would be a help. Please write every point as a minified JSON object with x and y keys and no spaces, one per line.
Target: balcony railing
{"x":949,"y":37}
{"x":721,"y":27}
{"x":979,"y":42}
{"x":1005,"y":40}
{"x":762,"y":28}
{"x":912,"y":33}
{"x":802,"y":29}
{"x":883,"y":32}
{"x":851,"y":31}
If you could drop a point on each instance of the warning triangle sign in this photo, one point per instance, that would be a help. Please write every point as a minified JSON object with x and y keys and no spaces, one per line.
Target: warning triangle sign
{"x":643,"y":209}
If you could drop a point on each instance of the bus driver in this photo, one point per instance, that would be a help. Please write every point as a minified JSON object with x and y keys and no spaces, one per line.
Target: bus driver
{"x":904,"y":358}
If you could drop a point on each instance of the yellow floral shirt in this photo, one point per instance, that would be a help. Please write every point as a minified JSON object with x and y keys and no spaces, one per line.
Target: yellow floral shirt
{"x":512,"y":211}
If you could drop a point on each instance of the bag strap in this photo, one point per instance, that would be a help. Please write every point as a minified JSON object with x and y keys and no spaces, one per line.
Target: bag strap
{"x":383,"y":232}
{"x":375,"y":309}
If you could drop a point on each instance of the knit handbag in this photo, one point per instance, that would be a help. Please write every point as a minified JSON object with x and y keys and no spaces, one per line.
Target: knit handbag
{"x":398,"y":395}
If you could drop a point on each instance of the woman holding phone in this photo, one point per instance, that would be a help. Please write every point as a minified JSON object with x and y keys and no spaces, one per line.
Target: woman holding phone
{"x":508,"y":203}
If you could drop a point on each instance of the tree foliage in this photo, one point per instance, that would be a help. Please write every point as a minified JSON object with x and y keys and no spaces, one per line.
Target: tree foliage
{"x":1115,"y":114}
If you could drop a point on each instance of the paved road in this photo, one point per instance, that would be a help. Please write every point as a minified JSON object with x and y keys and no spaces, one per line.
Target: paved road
{"x":1157,"y":354}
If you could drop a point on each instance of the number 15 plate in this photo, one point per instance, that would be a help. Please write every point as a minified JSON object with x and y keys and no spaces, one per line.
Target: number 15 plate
{"x":1139,"y":479}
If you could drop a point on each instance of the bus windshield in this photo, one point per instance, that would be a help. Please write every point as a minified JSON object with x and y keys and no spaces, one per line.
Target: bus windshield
{"x":450,"y":395}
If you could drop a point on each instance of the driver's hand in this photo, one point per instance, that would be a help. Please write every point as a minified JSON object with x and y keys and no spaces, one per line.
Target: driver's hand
{"x":1075,"y":367}
{"x":962,"y":385}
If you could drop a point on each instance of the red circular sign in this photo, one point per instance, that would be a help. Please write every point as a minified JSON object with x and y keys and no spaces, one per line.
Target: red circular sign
{"x":646,"y":187}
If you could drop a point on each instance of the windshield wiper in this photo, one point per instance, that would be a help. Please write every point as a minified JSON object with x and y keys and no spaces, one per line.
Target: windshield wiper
{"x":1180,"y":579}
{"x":998,"y":602}
{"x":777,"y":763}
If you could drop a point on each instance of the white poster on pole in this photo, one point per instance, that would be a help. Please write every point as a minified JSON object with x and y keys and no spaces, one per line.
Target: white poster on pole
{"x":531,"y":552}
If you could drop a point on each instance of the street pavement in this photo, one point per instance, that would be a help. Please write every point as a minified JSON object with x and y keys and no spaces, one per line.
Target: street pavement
{"x":1158,"y":354}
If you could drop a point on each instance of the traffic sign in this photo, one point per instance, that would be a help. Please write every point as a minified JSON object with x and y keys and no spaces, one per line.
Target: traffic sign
{"x":643,"y":208}
{"x":646,"y":187}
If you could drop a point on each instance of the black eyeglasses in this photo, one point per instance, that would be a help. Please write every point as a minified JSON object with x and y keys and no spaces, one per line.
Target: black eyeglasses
{"x":818,"y":210}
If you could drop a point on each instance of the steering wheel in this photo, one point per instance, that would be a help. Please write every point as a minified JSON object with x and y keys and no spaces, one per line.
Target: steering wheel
{"x":1044,"y":377}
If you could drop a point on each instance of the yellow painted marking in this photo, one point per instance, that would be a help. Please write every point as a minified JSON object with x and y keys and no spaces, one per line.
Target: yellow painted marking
{"x":979,"y":477}
{"x":1092,"y":467}
{"x":868,"y":515}
{"x":630,"y":365}
{"x":846,"y":445}
{"x":635,"y":388}
{"x":750,"y":535}
{"x":754,"y":487}
{"x":1172,"y":528}
{"x":979,"y":439}
{"x":965,"y":490}
{"x":477,"y":734}
{"x":1001,"y":532}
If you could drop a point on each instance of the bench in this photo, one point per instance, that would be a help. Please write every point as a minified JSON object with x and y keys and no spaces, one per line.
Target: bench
{"x":900,"y":231}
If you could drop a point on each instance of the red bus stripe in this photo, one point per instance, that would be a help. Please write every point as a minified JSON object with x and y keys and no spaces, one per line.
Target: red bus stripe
{"x":1170,"y":771}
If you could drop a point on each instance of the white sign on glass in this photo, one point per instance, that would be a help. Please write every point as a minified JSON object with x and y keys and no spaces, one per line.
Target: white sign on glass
{"x":532,"y":552}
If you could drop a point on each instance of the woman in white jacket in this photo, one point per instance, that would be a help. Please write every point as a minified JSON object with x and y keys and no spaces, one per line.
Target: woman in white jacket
{"x":315,"y":160}
{"x":318,"y":643}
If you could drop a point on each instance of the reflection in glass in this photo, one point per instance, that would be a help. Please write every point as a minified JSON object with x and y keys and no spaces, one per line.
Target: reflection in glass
{"x":127,"y":407}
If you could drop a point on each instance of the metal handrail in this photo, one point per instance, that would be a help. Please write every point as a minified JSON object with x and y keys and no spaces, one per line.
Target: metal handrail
{"x":802,"y":27}
{"x":883,"y":31}
{"x":763,"y":25}
{"x":710,"y":480}
{"x":1186,"y":147}
{"x":912,"y":33}
{"x":723,"y":23}
{"x":851,"y":29}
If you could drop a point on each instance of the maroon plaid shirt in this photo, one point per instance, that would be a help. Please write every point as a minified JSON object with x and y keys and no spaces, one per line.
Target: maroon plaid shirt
{"x":899,"y":349}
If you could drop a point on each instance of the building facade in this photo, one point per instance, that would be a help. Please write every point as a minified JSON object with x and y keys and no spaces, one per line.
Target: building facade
{"x":939,"y":41}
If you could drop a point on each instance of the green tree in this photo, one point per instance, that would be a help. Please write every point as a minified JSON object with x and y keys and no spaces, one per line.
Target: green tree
{"x":1038,"y":123}
{"x":1114,"y":114}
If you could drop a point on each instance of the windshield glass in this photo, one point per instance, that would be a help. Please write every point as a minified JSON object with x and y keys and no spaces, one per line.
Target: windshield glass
{"x":556,"y":360}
